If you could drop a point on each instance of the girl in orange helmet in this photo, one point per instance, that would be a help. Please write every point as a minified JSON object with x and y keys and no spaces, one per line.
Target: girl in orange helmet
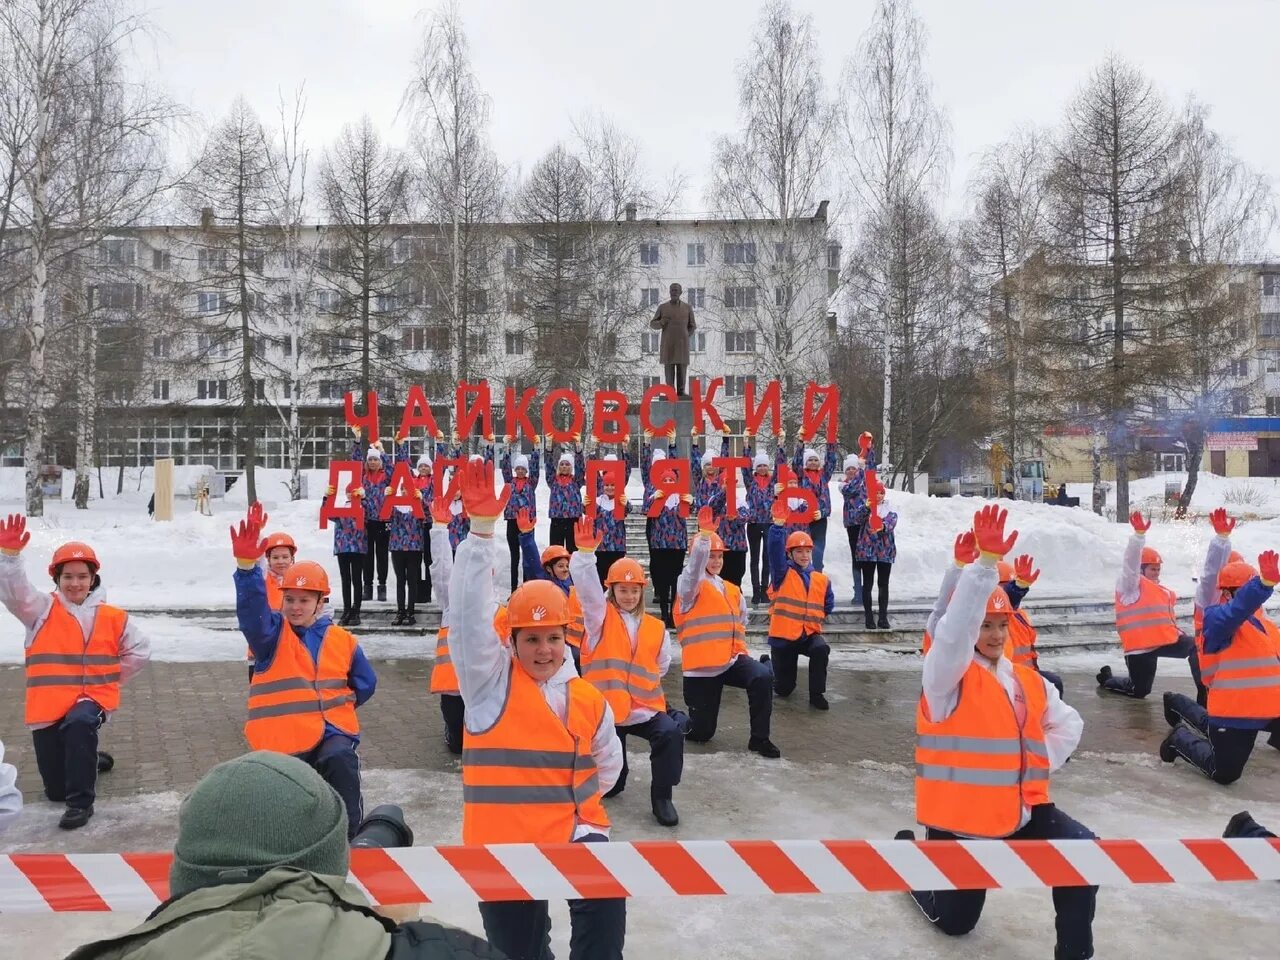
{"x":79,"y":651}
{"x":625,"y":654}
{"x":800,"y":600}
{"x":539,"y":746}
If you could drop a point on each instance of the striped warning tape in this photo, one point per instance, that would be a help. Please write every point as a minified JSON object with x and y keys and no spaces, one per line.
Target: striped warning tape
{"x":138,"y":882}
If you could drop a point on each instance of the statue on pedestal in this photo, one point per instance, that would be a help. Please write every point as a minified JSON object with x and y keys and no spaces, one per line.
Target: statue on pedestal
{"x":675,"y":319}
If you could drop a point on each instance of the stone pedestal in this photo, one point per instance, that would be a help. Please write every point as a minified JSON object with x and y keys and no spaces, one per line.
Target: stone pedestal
{"x":681,"y":411}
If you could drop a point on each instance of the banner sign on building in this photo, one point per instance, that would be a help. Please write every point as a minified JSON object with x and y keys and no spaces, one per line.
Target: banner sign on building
{"x":1231,"y":441}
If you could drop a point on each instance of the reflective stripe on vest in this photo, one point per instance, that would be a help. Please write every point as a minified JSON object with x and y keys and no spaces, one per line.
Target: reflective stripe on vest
{"x":290,"y":701}
{"x":62,"y":665}
{"x":444,"y":678}
{"x":576,"y":630}
{"x":1148,"y":622}
{"x":977,"y":769}
{"x":712,"y":633}
{"x":1244,"y":678}
{"x":628,"y":681}
{"x":531,"y":777}
{"x":1021,"y":645}
{"x":794,"y":612}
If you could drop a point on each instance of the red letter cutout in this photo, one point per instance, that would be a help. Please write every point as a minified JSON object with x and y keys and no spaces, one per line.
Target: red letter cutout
{"x":354,"y":510}
{"x":770,"y":403}
{"x":465,"y":419}
{"x":787,"y":477}
{"x":438,"y":468}
{"x":729,"y":477}
{"x":417,"y":413}
{"x":610,"y":471}
{"x":402,"y":481}
{"x":369,"y":419}
{"x":616,"y":418}
{"x":672,"y":477}
{"x":830,"y":409}
{"x":653,"y":393}
{"x":518,"y":421}
{"x":707,"y":406}
{"x":576,"y":421}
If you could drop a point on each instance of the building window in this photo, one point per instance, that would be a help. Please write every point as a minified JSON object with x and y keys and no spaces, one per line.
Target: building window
{"x":255,"y":260}
{"x":736,"y":386}
{"x":697,"y":254}
{"x":782,"y":296}
{"x":697,"y":342}
{"x":648,"y":254}
{"x":782,"y":253}
{"x":120,"y":296}
{"x":118,"y":252}
{"x":649,"y":342}
{"x":438,"y":338}
{"x":515,"y":344}
{"x":1160,"y":404}
{"x":211,"y":260}
{"x":513,"y":257}
{"x":260,"y":389}
{"x":328,"y":301}
{"x":1238,"y":368}
{"x":648,"y":382}
{"x":479,"y":301}
{"x":211,"y":389}
{"x":740,"y":253}
{"x":1173,"y":462}
{"x":833,"y":256}
{"x":332,"y":258}
{"x":697,"y":297}
{"x":608,"y":345}
{"x":159,"y":389}
{"x":1273,"y":406}
{"x":1271,"y":284}
{"x":209,"y":302}
{"x":385,"y":303}
{"x":650,"y":296}
{"x":1240,"y":403}
{"x":609,"y":383}
{"x":739,"y":341}
{"x":740,"y":298}
{"x":477,"y":344}
{"x":161,"y":347}
{"x":1271,"y":325}
{"x":160,"y":260}
{"x":213,"y":345}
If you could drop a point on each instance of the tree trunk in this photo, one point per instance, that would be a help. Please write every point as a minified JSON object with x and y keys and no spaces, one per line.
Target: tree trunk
{"x":248,"y":425}
{"x":33,"y":445}
{"x":1099,"y":495}
{"x":1195,"y":450}
{"x":295,"y":450}
{"x":86,"y":412}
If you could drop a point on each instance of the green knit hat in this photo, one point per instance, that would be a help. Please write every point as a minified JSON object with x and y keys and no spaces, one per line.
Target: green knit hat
{"x":255,"y":812}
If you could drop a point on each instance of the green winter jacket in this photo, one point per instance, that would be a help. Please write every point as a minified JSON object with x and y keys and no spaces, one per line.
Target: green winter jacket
{"x":285,"y":913}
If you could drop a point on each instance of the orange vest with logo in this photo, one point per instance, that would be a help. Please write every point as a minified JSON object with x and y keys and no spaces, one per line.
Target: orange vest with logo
{"x":531,"y":776}
{"x":627,"y":680}
{"x":1150,"y":621}
{"x":978,"y":768}
{"x":444,"y":678}
{"x":1021,"y":645}
{"x":290,"y":701}
{"x":712,"y":633}
{"x":793,"y":612}
{"x":62,"y":666}
{"x":1244,"y":679}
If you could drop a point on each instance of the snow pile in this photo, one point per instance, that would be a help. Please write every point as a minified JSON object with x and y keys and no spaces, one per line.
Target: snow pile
{"x":1252,"y":496}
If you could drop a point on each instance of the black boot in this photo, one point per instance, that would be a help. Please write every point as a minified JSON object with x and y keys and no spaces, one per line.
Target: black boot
{"x":819,"y":702}
{"x":345,"y":619}
{"x":1167,"y":753}
{"x":354,"y":619}
{"x":398,"y":621}
{"x":1104,"y":675}
{"x":410,"y":620}
{"x":382,"y":592}
{"x":1170,"y":715}
{"x":75,"y":818}
{"x":105,"y":761}
{"x":764,"y":746}
{"x":664,"y":811}
{"x":368,"y":592}
{"x":871,"y":621}
{"x":882,"y":623}
{"x":1237,"y":824}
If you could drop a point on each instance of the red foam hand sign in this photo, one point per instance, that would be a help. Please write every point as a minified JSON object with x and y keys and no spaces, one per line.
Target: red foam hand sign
{"x":874,"y":489}
{"x":403,"y":493}
{"x":438,"y":468}
{"x":417,"y":413}
{"x":342,"y":475}
{"x":481,"y":409}
{"x":576,"y":419}
{"x":770,"y":405}
{"x":827,"y":399}
{"x":367,"y":421}
{"x":609,"y":417}
{"x":610,"y":471}
{"x":790,"y":492}
{"x":706,"y":405}
{"x":729,"y":467}
{"x":669,"y":477}
{"x":518,"y":412}
{"x":659,"y":391}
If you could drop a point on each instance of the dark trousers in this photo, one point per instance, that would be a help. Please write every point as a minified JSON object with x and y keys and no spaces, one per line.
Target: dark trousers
{"x":1219,"y":752}
{"x":666,"y":754}
{"x":854,"y":533}
{"x":871,"y":572}
{"x":1142,"y":668}
{"x":562,"y":533}
{"x":786,"y":659}
{"x":351,"y":571}
{"x":67,"y":755}
{"x":424,"y":579}
{"x":818,"y":530}
{"x":1054,"y":679}
{"x":956,"y":912}
{"x":521,"y":929}
{"x":379,"y":537}
{"x":513,"y":548}
{"x":674,"y":375}
{"x":407,"y":564}
{"x":735,"y":567}
{"x":702,"y":697}
{"x":335,"y":759}
{"x":756,"y":541}
{"x":664,"y":568}
{"x":606,"y":559}
{"x":452,"y":709}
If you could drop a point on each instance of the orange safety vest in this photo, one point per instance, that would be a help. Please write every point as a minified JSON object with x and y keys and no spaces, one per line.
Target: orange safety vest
{"x":576,"y":631}
{"x":627,"y":680}
{"x":1244,"y":679}
{"x":275,"y":600}
{"x":792,"y":612}
{"x":290,"y":701}
{"x":978,"y":768}
{"x":1021,"y":645}
{"x":444,"y":678}
{"x":1150,"y":621}
{"x":712,"y":633}
{"x":531,"y":776}
{"x":64,"y":667}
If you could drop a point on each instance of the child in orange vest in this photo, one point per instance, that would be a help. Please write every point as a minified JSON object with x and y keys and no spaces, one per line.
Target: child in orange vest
{"x":625,"y":654}
{"x":1145,"y":619}
{"x":989,"y":734}
{"x":800,"y":599}
{"x":73,"y":683}
{"x":309,"y":674}
{"x":1016,"y":580}
{"x":539,"y":743}
{"x":277,"y":559}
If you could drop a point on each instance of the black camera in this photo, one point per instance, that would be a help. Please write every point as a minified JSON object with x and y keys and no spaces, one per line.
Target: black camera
{"x":383,"y":827}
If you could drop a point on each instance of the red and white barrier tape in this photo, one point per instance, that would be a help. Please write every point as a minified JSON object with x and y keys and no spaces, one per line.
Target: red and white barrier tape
{"x":138,"y":882}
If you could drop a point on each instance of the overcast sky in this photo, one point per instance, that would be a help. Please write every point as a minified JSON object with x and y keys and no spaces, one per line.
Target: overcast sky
{"x":665,"y":70}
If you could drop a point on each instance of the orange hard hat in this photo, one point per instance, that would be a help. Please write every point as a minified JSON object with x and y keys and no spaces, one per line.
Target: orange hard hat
{"x":1235,"y":575}
{"x":717,"y":545}
{"x":1005,"y":571}
{"x":799,"y":539}
{"x":554,"y":553}
{"x":998,"y":603}
{"x":306,"y":575}
{"x":537,"y":603}
{"x":625,"y":570}
{"x":75,"y":550}
{"x":280,"y":540}
{"x":1149,"y":556}
{"x":1235,"y":556}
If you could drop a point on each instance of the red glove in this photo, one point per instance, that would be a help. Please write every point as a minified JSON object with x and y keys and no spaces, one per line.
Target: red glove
{"x":440,"y":511}
{"x":779,"y":512}
{"x":966,"y":550}
{"x":13,"y":533}
{"x":988,"y":531}
{"x":478,"y":498}
{"x":247,"y":544}
{"x":1269,"y":568}
{"x":864,"y":443}
{"x":524,"y":522}
{"x":706,"y":520}
{"x":1222,"y":524}
{"x":257,"y":514}
{"x":1022,"y":571}
{"x":1139,"y":523}
{"x":584,"y":534}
